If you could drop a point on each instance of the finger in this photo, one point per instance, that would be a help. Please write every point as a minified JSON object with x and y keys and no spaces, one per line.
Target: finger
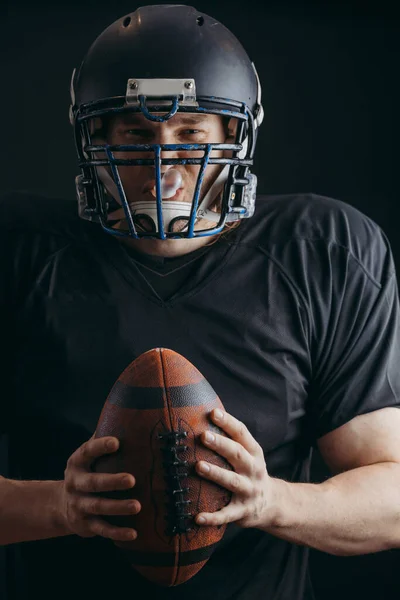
{"x":104,"y":506}
{"x":226,"y":515}
{"x":93,"y":448}
{"x":87,"y":483}
{"x":236,"y":430}
{"x":120,"y":534}
{"x":228,"y":479}
{"x":235,"y":453}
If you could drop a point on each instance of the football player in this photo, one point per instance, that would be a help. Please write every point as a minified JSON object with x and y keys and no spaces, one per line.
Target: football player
{"x":288,"y":305}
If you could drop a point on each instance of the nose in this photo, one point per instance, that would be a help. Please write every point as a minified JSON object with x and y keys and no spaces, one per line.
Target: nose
{"x":171,"y":178}
{"x":166,"y":138}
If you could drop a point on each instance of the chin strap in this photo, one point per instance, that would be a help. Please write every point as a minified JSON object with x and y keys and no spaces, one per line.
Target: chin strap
{"x":147,"y":212}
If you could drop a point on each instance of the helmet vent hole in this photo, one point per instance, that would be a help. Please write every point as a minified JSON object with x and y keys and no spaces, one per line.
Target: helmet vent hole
{"x":200,"y":21}
{"x":127,"y":22}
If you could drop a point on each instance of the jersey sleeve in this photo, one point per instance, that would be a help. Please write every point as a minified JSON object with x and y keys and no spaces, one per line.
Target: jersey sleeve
{"x":356,"y":356}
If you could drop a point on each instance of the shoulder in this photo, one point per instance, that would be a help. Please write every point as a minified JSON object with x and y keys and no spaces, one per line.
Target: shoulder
{"x":33,"y":213}
{"x":28,"y":219}
{"x":33,"y":230}
{"x":318,"y":224}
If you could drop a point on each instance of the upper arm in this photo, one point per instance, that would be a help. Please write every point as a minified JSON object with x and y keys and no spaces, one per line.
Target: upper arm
{"x":366,"y":439}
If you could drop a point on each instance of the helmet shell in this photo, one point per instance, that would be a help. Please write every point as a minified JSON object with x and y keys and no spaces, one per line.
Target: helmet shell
{"x":171,"y":42}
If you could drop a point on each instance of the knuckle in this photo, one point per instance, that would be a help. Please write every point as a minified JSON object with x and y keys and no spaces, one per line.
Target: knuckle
{"x":115,"y":534}
{"x":92,"y":483}
{"x":77,"y":485}
{"x":258,"y":451}
{"x":235,"y":481}
{"x":242,"y":431}
{"x":85,"y":451}
{"x":218,"y":521}
{"x":69,"y":485}
{"x":239,"y":454}
{"x":71,"y":463}
{"x":99,"y":529}
{"x":94,"y":506}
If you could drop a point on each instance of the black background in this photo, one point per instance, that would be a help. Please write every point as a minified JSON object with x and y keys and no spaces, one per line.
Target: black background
{"x":330,"y":78}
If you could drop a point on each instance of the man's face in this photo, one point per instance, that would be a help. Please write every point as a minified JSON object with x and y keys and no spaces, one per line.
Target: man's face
{"x":185,"y":128}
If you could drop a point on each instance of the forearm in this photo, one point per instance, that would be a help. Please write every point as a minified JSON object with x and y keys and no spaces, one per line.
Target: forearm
{"x":28,"y":511}
{"x":356,"y":512}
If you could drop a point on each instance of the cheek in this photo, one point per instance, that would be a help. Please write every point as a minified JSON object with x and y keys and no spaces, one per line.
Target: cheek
{"x":210,"y":176}
{"x":130,"y":174}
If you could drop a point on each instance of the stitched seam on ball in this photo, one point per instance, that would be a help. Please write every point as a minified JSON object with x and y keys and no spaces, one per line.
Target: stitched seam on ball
{"x":164,"y":376}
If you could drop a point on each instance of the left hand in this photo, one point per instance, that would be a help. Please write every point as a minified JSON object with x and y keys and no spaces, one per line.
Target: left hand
{"x":252,"y":487}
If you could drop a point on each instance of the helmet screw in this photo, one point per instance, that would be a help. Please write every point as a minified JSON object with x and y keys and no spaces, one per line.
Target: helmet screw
{"x":189,"y":85}
{"x":133,"y":85}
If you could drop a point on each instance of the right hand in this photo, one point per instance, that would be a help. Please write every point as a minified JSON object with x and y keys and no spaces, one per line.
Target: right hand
{"x":81,"y":508}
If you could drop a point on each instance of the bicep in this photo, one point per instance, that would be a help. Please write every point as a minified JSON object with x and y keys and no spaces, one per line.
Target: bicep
{"x":364,"y":440}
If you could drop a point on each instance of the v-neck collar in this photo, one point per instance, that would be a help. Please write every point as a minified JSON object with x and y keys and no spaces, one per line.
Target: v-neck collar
{"x":162,"y":265}
{"x":211,"y":262}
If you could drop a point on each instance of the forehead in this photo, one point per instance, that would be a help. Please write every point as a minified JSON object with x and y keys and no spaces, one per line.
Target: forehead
{"x":175,"y":121}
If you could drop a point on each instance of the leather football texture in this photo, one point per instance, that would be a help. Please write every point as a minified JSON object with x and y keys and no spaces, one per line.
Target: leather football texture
{"x":158,"y":408}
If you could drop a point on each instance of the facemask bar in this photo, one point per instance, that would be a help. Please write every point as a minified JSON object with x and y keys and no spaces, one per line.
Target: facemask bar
{"x":199,"y":183}
{"x":204,"y":161}
{"x":90,"y":186}
{"x":160,"y":220}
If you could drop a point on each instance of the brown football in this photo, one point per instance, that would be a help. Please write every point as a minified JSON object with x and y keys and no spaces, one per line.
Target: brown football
{"x":158,"y":408}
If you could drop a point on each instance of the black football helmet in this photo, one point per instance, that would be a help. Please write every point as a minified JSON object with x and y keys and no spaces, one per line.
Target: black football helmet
{"x":166,"y":59}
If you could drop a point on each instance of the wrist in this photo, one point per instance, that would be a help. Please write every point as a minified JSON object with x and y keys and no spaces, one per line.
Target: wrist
{"x":273,"y":516}
{"x":57,"y":508}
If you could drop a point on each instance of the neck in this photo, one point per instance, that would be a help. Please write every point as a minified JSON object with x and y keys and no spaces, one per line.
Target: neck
{"x":169,"y":248}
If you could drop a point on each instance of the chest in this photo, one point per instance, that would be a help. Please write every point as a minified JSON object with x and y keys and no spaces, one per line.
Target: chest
{"x":81,"y":326}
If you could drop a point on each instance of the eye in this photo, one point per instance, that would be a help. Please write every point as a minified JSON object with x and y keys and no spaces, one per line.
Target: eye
{"x":193,"y":133}
{"x":138,"y":132}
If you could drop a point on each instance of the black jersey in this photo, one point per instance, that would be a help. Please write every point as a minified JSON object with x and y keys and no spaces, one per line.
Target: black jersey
{"x":293,"y":318}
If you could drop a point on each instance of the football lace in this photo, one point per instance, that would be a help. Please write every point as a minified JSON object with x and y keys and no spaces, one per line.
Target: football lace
{"x":175,"y":469}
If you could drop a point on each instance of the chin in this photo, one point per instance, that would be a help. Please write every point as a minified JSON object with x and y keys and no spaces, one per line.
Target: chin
{"x":167,"y":248}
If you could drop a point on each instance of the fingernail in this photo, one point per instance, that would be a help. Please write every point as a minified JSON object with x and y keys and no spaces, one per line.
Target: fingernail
{"x":218,"y":414}
{"x":201,"y":520}
{"x":204,"y":467}
{"x":209,"y":437}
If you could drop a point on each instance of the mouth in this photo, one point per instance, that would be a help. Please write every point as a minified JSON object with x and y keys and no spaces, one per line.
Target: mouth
{"x":171,"y":186}
{"x":176,"y":196}
{"x":149,"y":190}
{"x":148,"y":186}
